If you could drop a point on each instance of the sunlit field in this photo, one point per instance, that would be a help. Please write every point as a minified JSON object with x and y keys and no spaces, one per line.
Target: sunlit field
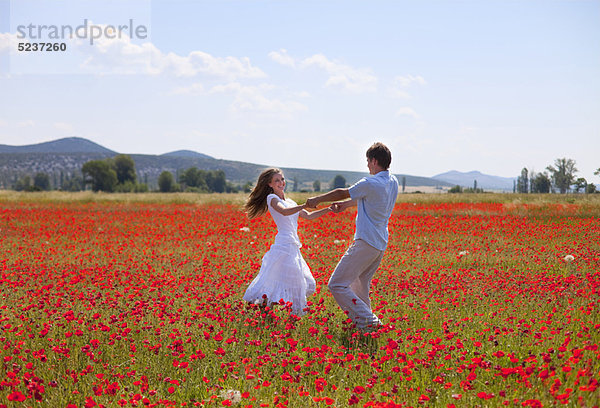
{"x":135,"y":300}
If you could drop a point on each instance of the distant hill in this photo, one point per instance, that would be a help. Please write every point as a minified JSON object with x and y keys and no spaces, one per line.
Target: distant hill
{"x":186,"y":153}
{"x":242,"y":172}
{"x":484,"y":181}
{"x":62,"y":159}
{"x":66,"y":145}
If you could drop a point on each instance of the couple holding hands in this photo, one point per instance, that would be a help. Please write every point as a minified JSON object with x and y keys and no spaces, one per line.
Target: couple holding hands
{"x":285,"y":275}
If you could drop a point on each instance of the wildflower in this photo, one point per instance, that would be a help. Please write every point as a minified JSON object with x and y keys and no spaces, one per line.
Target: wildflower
{"x":245,"y":229}
{"x":320,"y":384}
{"x":485,"y":395}
{"x":423,"y":398}
{"x":569,"y":258}
{"x":17,"y":396}
{"x":234,"y":396}
{"x":534,"y":403}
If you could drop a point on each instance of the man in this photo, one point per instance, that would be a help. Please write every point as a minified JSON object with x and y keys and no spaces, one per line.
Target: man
{"x":375,"y":198}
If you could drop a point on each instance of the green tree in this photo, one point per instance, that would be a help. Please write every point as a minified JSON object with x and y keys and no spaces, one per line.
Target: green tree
{"x":540,"y":183}
{"x":23,"y":184}
{"x":580,"y":184}
{"x":193,"y":177}
{"x":590,"y":189}
{"x":231,"y":188}
{"x":403,"y":183}
{"x":563,"y":174}
{"x":295,"y":184}
{"x":209,"y":178}
{"x":339,"y":182}
{"x":317,"y":185}
{"x":72,"y":183}
{"x":41,"y":182}
{"x":166,"y":182}
{"x":100,"y":174}
{"x":140,"y":188}
{"x":456,"y":190}
{"x":218,"y":182}
{"x":125,"y":168}
{"x":523,"y":182}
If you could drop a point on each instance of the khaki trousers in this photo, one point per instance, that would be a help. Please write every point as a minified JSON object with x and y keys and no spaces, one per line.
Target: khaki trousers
{"x":351,"y":281}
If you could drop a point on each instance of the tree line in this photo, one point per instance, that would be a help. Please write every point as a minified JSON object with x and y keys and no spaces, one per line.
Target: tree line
{"x":560,"y":177}
{"x":65,"y":181}
{"x":195,"y":180}
{"x":118,"y":174}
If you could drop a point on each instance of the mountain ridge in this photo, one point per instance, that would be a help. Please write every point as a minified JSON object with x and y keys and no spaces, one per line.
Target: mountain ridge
{"x":186,"y":153}
{"x":485,"y":181}
{"x":72,"y":144}
{"x":65,"y":157}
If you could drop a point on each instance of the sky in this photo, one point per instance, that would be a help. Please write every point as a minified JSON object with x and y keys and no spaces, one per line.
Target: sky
{"x":485,"y":85}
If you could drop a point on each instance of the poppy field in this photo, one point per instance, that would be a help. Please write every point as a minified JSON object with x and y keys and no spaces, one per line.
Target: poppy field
{"x":139,"y":304}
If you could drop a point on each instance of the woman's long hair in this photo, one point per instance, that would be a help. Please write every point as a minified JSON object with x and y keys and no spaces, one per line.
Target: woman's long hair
{"x":257,"y":201}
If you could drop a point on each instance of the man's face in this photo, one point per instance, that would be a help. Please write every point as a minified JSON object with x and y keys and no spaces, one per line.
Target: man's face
{"x":371,"y":163}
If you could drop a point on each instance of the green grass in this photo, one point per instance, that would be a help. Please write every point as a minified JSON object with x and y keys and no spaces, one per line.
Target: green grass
{"x":587,"y":200}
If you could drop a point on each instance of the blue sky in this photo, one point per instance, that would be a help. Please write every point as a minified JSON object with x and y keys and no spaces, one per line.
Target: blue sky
{"x":493,"y":86}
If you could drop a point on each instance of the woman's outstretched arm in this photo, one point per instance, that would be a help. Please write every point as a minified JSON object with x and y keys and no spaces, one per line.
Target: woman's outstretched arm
{"x":277,"y":206}
{"x":311,"y":215}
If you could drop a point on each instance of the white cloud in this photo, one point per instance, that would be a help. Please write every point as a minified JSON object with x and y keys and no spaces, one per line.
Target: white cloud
{"x":253,"y":99}
{"x":283,"y":58}
{"x":343,"y":76}
{"x":406,"y":81}
{"x":228,"y":67}
{"x":194,"y":89}
{"x":121,"y":56}
{"x":239,"y":88}
{"x":8,"y":43}
{"x":401,"y":83}
{"x":407,"y":111}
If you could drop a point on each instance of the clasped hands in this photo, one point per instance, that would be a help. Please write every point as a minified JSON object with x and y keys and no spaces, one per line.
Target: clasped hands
{"x":313,"y":202}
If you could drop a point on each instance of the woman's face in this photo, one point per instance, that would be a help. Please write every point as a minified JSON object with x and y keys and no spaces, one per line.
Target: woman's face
{"x":277,"y":183}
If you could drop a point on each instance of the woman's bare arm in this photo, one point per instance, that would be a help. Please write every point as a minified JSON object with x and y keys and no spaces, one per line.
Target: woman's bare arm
{"x":281,"y":209}
{"x":311,"y":215}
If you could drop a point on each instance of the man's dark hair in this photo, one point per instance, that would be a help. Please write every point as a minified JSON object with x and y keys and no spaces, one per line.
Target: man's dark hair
{"x":381,"y":153}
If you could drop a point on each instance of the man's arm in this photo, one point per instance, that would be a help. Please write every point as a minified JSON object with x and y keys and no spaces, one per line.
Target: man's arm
{"x":333,"y":195}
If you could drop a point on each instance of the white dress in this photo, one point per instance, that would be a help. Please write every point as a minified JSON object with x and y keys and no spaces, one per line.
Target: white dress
{"x":283,"y":273}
